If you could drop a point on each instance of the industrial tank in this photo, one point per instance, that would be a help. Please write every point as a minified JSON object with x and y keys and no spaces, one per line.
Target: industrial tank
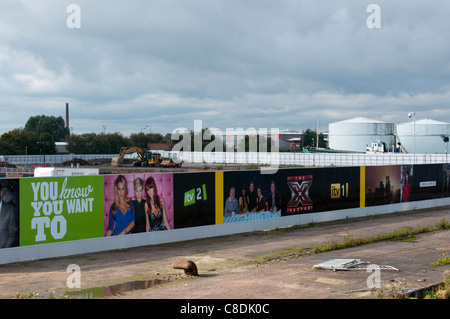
{"x":355,"y":135}
{"x":429,"y":137}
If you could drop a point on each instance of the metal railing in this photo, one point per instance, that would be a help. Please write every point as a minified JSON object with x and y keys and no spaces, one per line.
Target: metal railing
{"x":310,"y":159}
{"x":256,"y":158}
{"x":28,"y":160}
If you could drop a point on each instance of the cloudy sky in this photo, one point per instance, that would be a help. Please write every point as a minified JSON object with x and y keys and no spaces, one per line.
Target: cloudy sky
{"x":141,"y":65}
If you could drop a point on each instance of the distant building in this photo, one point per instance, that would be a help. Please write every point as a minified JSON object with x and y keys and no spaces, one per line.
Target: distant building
{"x":61,"y":148}
{"x":424,"y":136}
{"x":282,"y":137}
{"x":294,"y":144}
{"x":160,"y":146}
{"x":354,"y":135}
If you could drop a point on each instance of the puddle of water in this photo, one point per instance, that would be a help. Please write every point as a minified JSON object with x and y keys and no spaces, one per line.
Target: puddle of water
{"x":116,"y":289}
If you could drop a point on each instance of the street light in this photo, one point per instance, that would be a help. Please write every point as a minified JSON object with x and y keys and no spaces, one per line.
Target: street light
{"x":445,"y":139}
{"x":142,"y":129}
{"x":413,"y":114}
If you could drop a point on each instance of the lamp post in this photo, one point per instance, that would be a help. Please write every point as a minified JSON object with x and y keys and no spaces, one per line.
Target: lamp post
{"x":445,"y":139}
{"x":413,"y":114}
{"x":142,"y":129}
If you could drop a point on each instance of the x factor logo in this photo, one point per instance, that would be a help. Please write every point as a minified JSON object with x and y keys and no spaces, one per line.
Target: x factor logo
{"x":300,"y":201}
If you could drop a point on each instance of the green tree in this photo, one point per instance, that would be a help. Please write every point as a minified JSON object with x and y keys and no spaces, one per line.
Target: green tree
{"x":46,"y":144}
{"x":8,"y":145}
{"x":55,"y":126}
{"x":19,"y":142}
{"x":212,"y":143}
{"x":309,"y":139}
{"x":92,"y":143}
{"x":108,"y":143}
{"x":77,"y":144}
{"x":142,"y":140}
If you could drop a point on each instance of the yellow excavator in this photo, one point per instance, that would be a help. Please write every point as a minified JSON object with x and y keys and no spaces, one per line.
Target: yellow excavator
{"x":145,"y":158}
{"x":117,"y":161}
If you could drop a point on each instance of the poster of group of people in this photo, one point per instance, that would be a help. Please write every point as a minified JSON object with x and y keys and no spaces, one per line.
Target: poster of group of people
{"x":45,"y":210}
{"x":250,"y":195}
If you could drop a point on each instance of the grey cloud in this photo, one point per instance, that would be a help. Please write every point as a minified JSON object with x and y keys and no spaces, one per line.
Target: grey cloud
{"x":234,"y":63}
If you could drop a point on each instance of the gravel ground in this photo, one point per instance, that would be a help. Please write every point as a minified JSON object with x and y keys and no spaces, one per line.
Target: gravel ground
{"x":239,"y":266}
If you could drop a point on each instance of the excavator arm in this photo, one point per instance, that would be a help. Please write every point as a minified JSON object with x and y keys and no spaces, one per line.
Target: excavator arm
{"x":116,"y":161}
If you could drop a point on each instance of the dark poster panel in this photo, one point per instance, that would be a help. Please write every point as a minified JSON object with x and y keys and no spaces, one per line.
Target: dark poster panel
{"x":446,"y":180}
{"x":9,"y":213}
{"x":335,"y":188}
{"x":424,"y":182}
{"x":289,"y":191}
{"x":383,"y":185}
{"x":194,"y":199}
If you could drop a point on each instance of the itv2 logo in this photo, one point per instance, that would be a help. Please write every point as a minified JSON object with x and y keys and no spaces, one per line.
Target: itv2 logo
{"x":194,"y":195}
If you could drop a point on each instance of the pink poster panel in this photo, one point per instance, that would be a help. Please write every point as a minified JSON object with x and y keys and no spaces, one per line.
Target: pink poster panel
{"x":150,"y":198}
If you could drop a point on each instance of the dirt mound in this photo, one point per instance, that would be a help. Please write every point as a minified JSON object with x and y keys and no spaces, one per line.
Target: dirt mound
{"x":76,"y":161}
{"x":7,"y":165}
{"x":100,"y":161}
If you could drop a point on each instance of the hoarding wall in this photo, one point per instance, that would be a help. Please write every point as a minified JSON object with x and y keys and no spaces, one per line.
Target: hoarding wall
{"x":50,"y":210}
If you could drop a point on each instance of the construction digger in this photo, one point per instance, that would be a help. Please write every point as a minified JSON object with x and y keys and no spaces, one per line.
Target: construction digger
{"x":118,"y":161}
{"x":145,"y":158}
{"x":168,"y":162}
{"x":149,"y":159}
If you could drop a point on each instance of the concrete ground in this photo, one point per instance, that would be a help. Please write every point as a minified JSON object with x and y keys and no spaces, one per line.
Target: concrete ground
{"x":256,"y":265}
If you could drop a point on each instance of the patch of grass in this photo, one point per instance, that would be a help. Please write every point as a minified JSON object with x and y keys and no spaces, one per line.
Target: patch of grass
{"x":283,"y":253}
{"x":125,"y":279}
{"x":410,"y":240}
{"x":406,"y":233}
{"x":294,"y":227}
{"x":445,"y":260}
{"x":441,"y":291}
{"x":444,"y":291}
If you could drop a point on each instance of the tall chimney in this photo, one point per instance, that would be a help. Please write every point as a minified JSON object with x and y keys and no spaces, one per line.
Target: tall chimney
{"x":67,"y":115}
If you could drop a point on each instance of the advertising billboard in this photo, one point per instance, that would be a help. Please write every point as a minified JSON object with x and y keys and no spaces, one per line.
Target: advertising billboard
{"x":249,"y":195}
{"x":9,"y":213}
{"x":421,"y":182}
{"x":135,"y":203}
{"x":55,"y":209}
{"x":383,"y":185}
{"x":335,"y":188}
{"x":60,"y":209}
{"x":194,"y":199}
{"x":446,"y":180}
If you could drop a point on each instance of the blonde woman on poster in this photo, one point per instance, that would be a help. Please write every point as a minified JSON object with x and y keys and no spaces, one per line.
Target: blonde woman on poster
{"x":121,"y":214}
{"x":139,"y":207}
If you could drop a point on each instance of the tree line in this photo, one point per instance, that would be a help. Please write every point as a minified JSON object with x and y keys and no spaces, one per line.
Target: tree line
{"x":40,"y":133}
{"x":37,"y":137}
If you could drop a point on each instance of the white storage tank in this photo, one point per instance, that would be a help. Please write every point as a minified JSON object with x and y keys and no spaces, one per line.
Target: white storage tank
{"x":428,"y":137}
{"x":355,"y":135}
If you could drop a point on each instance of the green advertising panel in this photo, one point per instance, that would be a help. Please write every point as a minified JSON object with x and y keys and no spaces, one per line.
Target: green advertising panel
{"x":60,"y":209}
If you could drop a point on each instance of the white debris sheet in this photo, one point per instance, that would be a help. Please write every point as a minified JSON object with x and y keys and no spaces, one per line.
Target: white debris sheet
{"x":350,"y":264}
